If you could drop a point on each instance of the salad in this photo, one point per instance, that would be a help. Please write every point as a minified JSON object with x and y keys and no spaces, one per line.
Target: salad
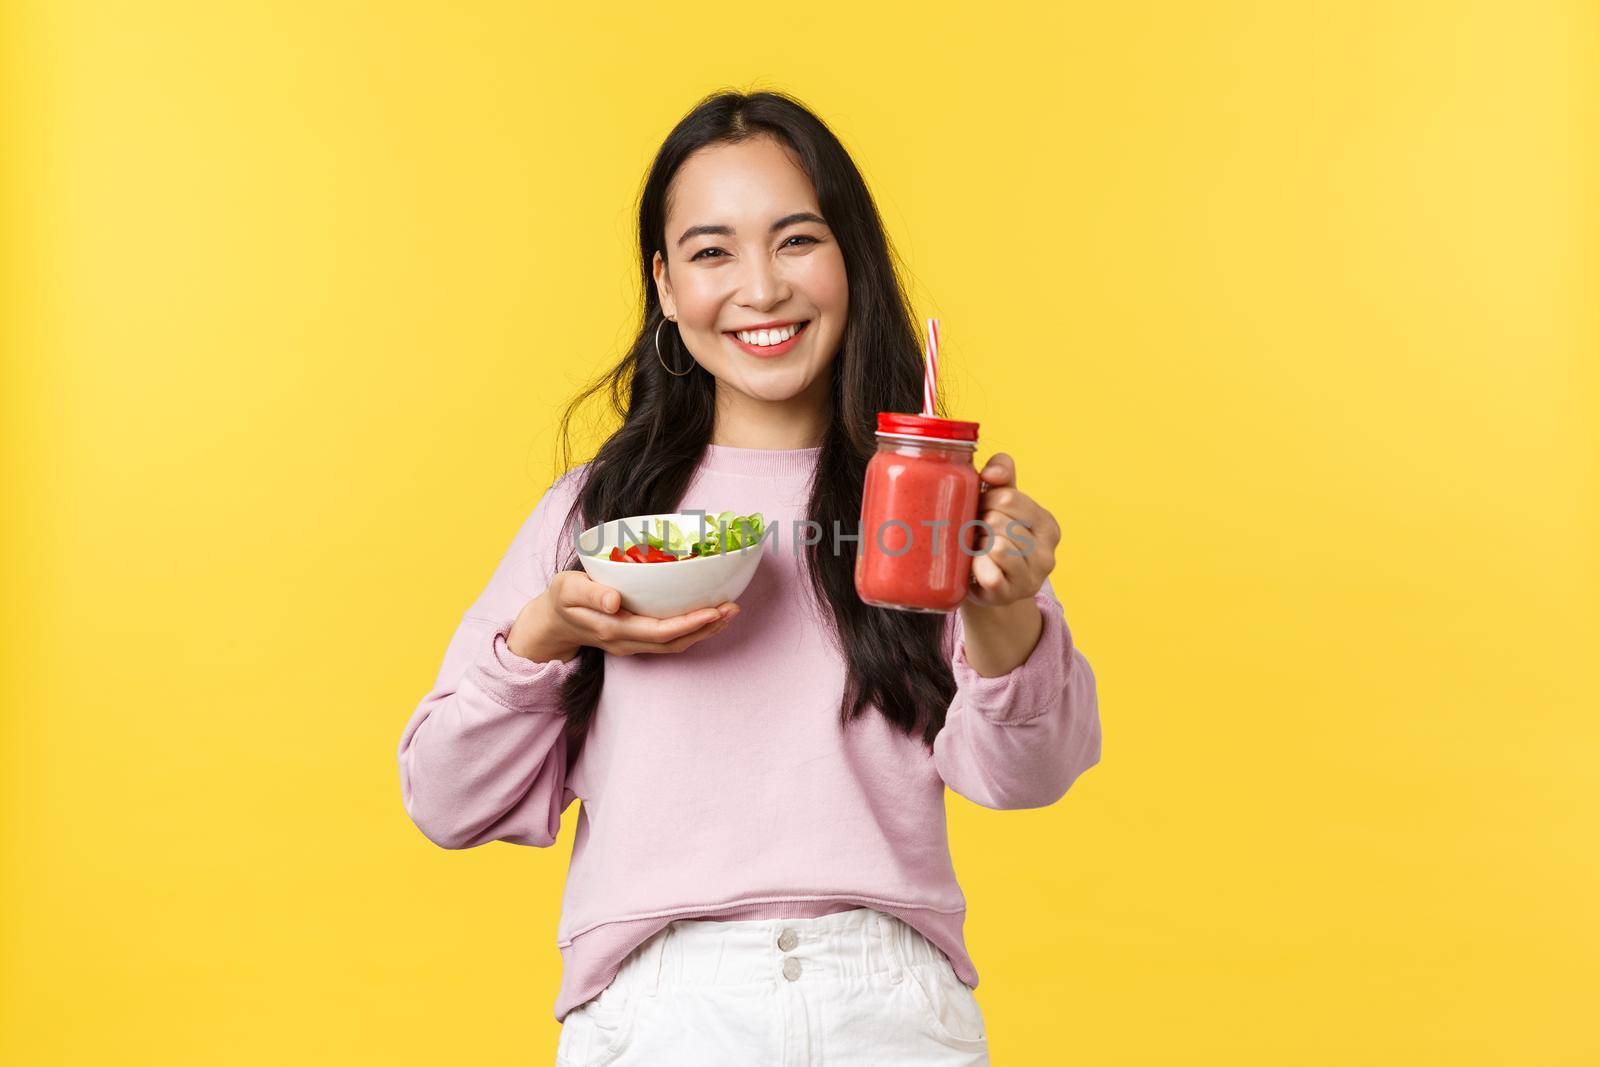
{"x":724,"y":532}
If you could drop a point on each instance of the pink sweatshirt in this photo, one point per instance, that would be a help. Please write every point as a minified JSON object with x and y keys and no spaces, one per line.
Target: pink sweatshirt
{"x":717,"y":782}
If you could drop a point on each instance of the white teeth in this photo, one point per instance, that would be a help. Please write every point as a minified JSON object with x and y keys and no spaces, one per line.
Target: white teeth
{"x":765,"y":338}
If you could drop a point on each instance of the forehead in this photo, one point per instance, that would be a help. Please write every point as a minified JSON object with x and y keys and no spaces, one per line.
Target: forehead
{"x":754,"y":180}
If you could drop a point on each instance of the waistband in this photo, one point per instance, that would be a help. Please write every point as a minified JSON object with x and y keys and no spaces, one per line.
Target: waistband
{"x":842,"y":945}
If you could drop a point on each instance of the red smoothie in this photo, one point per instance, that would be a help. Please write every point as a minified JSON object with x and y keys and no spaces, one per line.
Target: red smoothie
{"x":921,"y":487}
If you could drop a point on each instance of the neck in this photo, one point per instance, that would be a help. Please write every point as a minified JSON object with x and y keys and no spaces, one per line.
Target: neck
{"x":744,"y":421}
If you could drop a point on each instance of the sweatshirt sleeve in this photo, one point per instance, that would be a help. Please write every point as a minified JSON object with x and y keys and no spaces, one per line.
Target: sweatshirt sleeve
{"x":1020,"y":740}
{"x":484,"y":755}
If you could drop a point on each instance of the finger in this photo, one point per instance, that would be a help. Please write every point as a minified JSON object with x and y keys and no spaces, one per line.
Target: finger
{"x":1000,"y":470}
{"x":602,"y":629}
{"x":1033,"y":552}
{"x":678,"y":644}
{"x":709,"y":630}
{"x":1005,"y":554}
{"x":1026,"y":529}
{"x":989,"y":583}
{"x":992,"y":523}
{"x":648,"y":630}
{"x":1042,"y":526}
{"x":1011,"y":500}
{"x":589,"y":593}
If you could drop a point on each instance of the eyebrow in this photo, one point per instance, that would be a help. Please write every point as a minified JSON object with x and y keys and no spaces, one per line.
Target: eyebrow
{"x":727,"y":231}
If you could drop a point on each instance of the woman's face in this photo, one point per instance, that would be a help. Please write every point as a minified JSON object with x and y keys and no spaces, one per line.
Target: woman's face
{"x":747,"y":247}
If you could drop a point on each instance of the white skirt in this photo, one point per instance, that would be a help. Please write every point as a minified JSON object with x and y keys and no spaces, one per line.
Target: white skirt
{"x":856,"y":988}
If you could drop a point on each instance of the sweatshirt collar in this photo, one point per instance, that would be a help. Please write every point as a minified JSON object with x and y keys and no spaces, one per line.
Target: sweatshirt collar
{"x":766,"y":462}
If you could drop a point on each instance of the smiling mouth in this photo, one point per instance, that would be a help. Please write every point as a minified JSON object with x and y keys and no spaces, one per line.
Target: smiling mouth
{"x":769,"y":338}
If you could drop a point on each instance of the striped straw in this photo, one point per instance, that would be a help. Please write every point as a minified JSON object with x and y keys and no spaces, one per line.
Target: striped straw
{"x":930,"y":368}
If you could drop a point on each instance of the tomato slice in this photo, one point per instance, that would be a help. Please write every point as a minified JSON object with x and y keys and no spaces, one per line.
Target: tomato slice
{"x":635,"y":553}
{"x":616,"y":554}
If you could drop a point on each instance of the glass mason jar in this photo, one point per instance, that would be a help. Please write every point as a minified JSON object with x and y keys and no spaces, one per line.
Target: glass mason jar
{"x":919,"y":510}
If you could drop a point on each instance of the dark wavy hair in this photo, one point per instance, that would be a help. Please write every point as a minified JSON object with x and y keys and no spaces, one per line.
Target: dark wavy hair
{"x":898,"y":661}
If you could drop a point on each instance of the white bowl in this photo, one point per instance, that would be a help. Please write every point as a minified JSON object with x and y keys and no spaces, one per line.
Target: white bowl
{"x":662,"y":590}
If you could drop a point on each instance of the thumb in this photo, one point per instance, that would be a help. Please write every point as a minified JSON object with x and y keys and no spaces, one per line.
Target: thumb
{"x":584,"y":592}
{"x":1000,"y":470}
{"x":606,"y":599}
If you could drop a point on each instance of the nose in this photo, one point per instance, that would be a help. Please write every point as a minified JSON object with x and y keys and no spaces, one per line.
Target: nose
{"x":763,"y":285}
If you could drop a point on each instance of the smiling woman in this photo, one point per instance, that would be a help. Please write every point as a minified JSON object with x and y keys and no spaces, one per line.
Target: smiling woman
{"x":761,"y":869}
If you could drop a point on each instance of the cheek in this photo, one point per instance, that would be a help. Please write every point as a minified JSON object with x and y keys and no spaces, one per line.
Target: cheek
{"x":699,"y":298}
{"x":826,"y":284}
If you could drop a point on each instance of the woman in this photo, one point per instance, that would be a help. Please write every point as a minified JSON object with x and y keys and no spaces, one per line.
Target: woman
{"x":760,"y":872}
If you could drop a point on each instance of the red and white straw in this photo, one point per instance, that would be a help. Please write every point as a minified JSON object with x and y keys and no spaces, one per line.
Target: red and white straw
{"x":930,"y":368}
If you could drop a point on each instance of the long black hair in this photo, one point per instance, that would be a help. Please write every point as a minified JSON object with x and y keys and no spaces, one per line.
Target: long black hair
{"x":898,"y":661}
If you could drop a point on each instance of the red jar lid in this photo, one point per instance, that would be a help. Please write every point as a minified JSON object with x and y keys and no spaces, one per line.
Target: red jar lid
{"x":927,"y":426}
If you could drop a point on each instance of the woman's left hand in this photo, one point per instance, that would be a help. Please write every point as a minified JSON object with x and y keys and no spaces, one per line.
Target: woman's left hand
{"x":1019,"y":551}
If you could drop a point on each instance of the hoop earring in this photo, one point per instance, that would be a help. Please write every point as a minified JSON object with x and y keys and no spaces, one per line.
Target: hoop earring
{"x":669,"y":370}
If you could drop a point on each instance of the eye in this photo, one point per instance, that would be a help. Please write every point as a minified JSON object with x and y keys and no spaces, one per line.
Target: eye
{"x":704,"y":252}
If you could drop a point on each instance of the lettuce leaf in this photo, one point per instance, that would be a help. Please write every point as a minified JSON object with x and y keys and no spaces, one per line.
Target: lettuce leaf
{"x":727,"y":532}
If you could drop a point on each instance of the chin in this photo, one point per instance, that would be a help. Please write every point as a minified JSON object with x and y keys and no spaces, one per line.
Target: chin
{"x":774,"y":391}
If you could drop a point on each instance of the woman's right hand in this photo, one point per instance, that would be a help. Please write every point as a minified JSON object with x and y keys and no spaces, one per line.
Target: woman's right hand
{"x":575,"y":610}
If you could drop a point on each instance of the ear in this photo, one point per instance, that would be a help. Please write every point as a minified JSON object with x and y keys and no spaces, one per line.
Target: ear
{"x":658,"y":268}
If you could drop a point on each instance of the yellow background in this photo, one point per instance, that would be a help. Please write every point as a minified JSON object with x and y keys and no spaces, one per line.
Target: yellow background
{"x":1284,"y":309}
